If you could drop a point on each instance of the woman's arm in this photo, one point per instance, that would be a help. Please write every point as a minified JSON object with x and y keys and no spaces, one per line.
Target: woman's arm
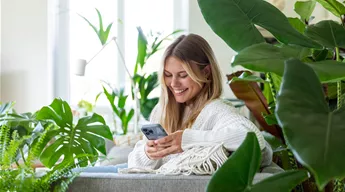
{"x":221,"y":124}
{"x":138,"y":157}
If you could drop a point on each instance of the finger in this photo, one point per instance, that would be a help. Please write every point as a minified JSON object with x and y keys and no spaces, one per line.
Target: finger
{"x":150,"y":143}
{"x":164,"y":140}
{"x":165,"y":145}
{"x":151,"y":149}
{"x":166,"y":151}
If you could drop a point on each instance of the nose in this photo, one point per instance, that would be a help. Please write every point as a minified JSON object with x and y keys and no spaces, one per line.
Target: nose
{"x":175,"y":82}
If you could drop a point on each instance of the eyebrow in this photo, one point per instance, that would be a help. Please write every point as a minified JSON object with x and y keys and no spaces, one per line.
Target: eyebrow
{"x":177,"y":72}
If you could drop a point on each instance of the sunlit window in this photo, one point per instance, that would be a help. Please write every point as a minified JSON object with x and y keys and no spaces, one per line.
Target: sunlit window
{"x":153,"y":16}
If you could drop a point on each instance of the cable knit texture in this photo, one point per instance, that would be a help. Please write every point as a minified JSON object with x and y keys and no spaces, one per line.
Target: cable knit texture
{"x":219,"y":122}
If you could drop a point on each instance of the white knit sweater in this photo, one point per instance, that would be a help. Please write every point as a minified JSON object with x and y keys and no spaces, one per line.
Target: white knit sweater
{"x":218,"y":122}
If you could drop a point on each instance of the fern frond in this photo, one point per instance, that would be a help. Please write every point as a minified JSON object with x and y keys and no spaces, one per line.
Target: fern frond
{"x":13,"y":149}
{"x":37,"y":145}
{"x":4,"y":141}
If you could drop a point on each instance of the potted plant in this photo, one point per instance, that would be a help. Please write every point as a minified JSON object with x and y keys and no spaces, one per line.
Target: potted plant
{"x":47,"y":138}
{"x":305,"y":56}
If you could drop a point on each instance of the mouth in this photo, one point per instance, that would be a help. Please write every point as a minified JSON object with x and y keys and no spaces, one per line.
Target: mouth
{"x":179,"y":91}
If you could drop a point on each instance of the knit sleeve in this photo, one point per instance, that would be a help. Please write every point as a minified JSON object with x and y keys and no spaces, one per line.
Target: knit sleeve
{"x":221,"y":123}
{"x":138,"y":157}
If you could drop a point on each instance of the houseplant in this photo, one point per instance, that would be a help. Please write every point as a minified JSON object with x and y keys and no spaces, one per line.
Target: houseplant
{"x":47,"y":138}
{"x":301,"y":108}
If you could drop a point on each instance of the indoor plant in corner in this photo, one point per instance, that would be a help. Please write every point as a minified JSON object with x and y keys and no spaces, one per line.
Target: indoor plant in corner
{"x":47,"y":138}
{"x":306,"y":56}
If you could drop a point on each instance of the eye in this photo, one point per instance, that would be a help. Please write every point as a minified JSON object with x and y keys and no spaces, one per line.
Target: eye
{"x":183,"y":75}
{"x":167,"y":75}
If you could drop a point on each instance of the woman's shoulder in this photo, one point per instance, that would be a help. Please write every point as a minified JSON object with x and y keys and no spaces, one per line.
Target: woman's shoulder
{"x":218,"y":105}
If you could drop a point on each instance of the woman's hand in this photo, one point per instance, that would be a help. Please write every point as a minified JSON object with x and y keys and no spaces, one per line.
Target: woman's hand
{"x":151,"y":150}
{"x":170,"y":144}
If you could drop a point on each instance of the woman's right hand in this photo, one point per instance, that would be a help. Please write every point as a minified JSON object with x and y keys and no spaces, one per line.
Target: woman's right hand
{"x":151,"y":150}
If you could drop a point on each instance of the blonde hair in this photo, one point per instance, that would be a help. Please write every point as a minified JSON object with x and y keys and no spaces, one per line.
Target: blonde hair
{"x":189,"y":49}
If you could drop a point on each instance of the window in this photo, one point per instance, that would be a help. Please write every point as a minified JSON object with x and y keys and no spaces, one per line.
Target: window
{"x":152,"y":15}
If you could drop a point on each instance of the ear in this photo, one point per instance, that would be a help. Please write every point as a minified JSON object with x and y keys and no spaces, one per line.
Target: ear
{"x":207,"y":70}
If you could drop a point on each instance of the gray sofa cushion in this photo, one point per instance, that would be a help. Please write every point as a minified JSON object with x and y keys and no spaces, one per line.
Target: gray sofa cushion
{"x":106,"y":182}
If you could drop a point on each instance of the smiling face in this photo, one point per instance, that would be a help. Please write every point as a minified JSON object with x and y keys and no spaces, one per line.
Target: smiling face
{"x":176,"y":78}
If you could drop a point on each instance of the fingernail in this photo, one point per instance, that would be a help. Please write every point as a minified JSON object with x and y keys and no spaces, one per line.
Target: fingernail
{"x":156,"y":141}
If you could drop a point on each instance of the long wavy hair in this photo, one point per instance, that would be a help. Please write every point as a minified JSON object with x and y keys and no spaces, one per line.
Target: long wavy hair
{"x":189,"y":49}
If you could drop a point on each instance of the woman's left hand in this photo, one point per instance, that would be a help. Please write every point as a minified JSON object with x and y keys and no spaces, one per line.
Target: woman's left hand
{"x":170,"y":143}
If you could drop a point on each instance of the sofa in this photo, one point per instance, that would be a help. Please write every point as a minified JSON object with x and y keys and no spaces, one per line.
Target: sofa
{"x":106,"y":180}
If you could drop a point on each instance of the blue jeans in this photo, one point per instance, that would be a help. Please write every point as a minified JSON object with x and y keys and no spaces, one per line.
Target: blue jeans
{"x":101,"y":169}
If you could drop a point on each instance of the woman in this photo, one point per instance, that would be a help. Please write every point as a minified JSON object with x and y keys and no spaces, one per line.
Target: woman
{"x":190,"y":109}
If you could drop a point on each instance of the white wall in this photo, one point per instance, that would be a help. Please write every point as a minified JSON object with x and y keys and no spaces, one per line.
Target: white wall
{"x":24,"y":63}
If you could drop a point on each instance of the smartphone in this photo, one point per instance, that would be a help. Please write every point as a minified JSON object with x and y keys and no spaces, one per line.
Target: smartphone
{"x":153,"y":131}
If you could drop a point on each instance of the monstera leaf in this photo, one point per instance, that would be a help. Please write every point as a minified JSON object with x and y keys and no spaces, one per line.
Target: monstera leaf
{"x":314,"y":133}
{"x":237,"y":173}
{"x":235,"y":22}
{"x":68,"y":140}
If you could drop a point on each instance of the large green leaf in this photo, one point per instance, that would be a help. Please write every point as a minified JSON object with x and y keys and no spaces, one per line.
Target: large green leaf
{"x":234,"y":21}
{"x":237,"y":173}
{"x":284,"y":181}
{"x":305,"y":9}
{"x":333,"y":6}
{"x":328,"y":33}
{"x":71,"y":141}
{"x":313,"y":132}
{"x":269,"y":58}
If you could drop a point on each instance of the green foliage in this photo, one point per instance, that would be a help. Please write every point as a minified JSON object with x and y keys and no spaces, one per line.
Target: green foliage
{"x":245,"y":15}
{"x":72,"y":140}
{"x":19,"y":152}
{"x":101,"y":33}
{"x":313,"y":132}
{"x":328,"y":33}
{"x":117,"y":100}
{"x":237,"y":173}
{"x":302,"y":93}
{"x":333,"y":6}
{"x":304,"y":9}
{"x":147,"y":83}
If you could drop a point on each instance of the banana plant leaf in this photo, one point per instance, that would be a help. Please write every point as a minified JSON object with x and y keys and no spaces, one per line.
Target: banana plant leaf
{"x":328,"y":33}
{"x":251,"y":94}
{"x":235,"y":22}
{"x":269,"y":58}
{"x":71,"y":140}
{"x":333,"y":6}
{"x":237,"y":173}
{"x":313,"y":132}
